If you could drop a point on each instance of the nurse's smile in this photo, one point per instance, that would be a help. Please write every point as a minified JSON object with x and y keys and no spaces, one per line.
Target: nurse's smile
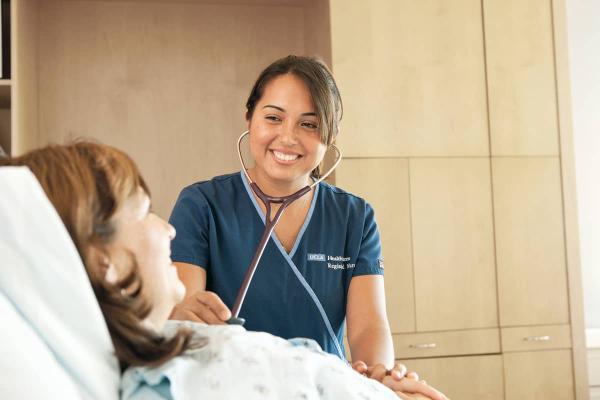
{"x":285,"y":158}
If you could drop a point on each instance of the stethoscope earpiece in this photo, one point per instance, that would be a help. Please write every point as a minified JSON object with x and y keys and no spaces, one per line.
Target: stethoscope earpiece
{"x":316,"y":182}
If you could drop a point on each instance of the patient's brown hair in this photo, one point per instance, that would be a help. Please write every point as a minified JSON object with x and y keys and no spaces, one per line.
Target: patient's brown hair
{"x":87,"y":183}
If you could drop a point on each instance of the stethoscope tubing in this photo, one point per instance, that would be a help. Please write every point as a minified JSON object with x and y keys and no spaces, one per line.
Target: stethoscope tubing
{"x":270,"y":224}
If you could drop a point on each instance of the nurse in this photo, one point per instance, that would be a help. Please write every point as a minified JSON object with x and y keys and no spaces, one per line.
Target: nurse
{"x":322,"y":267}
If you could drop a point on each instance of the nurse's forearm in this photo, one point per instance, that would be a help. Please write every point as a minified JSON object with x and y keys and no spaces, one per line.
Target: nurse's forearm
{"x":373,"y":345}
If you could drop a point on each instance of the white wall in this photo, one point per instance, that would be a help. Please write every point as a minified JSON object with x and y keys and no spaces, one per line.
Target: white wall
{"x":583,"y":17}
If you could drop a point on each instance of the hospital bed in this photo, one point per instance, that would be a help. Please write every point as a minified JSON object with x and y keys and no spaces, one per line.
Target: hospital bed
{"x":54,"y":343}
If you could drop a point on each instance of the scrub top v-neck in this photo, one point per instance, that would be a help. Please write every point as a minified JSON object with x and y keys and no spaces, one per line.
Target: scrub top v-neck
{"x":301,"y":294}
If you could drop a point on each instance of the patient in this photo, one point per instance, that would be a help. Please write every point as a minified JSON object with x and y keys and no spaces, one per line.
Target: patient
{"x":105,"y":205}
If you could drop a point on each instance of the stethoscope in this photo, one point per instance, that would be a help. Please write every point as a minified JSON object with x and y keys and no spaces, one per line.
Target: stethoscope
{"x":270,"y":223}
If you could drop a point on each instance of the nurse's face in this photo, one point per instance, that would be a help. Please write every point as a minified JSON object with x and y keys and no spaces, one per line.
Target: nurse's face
{"x":285,"y":136}
{"x":145,"y":238}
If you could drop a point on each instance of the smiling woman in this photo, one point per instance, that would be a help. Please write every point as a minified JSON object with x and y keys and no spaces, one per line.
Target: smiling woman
{"x":285,"y":139}
{"x":293,"y":113}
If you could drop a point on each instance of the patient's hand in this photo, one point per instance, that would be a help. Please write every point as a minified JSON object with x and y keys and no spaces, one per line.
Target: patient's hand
{"x":405,"y":384}
{"x":410,"y":389}
{"x":202,"y":306}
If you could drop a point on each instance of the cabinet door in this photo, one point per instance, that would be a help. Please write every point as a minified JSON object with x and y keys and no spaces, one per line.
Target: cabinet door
{"x":521,"y":84}
{"x":412,"y":75}
{"x":464,"y":378}
{"x":455,"y":277}
{"x":539,"y":375}
{"x":384,"y":184}
{"x":532,"y":276}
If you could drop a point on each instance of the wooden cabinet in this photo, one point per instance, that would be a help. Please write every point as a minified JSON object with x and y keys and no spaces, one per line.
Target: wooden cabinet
{"x":464,"y":378}
{"x":385,"y":184}
{"x":521,"y":77}
{"x":5,"y":125}
{"x":469,"y":97}
{"x":453,"y":244}
{"x":450,"y":343}
{"x":412,"y":75}
{"x":539,"y":375}
{"x":536,"y":338}
{"x":532,"y":275}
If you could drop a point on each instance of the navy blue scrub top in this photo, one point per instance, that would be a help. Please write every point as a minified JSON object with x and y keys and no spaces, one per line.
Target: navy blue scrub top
{"x":301,"y":294}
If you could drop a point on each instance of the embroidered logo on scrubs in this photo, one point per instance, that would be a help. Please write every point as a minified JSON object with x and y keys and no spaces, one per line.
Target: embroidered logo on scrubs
{"x":316,"y":257}
{"x":339,"y":262}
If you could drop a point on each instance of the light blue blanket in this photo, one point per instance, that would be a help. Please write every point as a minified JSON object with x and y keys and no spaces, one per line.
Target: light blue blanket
{"x":237,"y":364}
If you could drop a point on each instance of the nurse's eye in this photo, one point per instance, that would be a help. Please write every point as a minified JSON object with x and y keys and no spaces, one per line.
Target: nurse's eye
{"x":273,"y":118}
{"x":310,"y":125}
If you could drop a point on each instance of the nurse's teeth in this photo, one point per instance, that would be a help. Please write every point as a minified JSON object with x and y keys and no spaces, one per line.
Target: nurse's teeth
{"x":285,"y":157}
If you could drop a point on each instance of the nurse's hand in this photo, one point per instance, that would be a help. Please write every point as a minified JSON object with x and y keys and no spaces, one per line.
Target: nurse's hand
{"x":202,"y":306}
{"x":378,"y":371}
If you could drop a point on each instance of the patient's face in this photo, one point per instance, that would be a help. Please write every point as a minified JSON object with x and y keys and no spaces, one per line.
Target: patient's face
{"x":147,"y":237}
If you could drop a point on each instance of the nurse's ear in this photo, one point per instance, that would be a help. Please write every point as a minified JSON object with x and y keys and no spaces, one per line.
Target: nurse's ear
{"x":248,"y":120}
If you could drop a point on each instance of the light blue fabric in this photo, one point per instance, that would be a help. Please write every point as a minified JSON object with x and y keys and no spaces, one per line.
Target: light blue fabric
{"x":237,"y":364}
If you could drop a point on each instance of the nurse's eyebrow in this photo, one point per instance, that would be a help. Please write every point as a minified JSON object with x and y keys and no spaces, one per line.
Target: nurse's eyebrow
{"x":307,"y":114}
{"x":275,"y":107}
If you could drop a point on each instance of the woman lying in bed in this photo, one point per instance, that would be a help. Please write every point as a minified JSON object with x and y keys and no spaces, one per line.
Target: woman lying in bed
{"x":105,"y":205}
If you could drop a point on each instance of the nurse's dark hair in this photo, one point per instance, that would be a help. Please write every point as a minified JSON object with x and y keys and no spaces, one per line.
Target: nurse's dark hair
{"x":320,"y":83}
{"x":88,"y":183}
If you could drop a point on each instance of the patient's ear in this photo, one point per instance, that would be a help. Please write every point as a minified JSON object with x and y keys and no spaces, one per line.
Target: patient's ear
{"x":99,"y":260}
{"x":111,"y":275}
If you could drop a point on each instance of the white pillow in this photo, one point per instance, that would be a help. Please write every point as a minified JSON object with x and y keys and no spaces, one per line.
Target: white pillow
{"x":43,"y":279}
{"x":29,"y":369}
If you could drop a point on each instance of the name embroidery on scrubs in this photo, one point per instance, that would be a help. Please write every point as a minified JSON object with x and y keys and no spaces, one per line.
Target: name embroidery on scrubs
{"x":333,"y":262}
{"x":339,"y":262}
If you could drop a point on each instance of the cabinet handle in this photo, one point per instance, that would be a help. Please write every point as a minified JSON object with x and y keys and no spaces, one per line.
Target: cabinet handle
{"x":423,"y":346}
{"x":537,"y":338}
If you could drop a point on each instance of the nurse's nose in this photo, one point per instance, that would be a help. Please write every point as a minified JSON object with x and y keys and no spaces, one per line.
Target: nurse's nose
{"x":288,"y":134}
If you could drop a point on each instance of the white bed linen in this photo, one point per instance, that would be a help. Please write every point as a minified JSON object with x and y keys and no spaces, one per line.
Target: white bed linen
{"x":48,"y":301}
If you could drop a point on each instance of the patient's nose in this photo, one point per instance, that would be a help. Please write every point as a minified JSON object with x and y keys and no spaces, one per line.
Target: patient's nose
{"x":172,"y":231}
